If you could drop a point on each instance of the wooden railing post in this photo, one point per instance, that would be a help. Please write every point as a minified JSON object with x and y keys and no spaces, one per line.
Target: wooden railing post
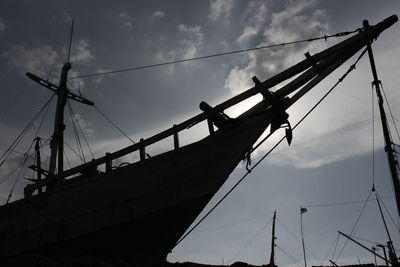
{"x":108,"y":162}
{"x":142,"y":151}
{"x":176,"y":137}
{"x":210,"y":126}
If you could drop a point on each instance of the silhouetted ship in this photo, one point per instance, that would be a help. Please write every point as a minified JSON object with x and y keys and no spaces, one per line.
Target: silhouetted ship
{"x":143,"y":208}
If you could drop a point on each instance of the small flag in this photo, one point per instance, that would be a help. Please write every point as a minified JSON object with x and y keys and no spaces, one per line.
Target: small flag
{"x":303,"y":210}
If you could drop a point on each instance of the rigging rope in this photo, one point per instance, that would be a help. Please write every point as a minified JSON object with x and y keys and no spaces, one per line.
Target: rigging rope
{"x":77,"y":138}
{"x":390,"y":111}
{"x":345,"y":129}
{"x":76,"y":66}
{"x":337,"y":242}
{"x":329,"y":250}
{"x":296,"y":238}
{"x":263,"y":215}
{"x":73,"y":150}
{"x":250,"y":241}
{"x":341,"y":203}
{"x":354,"y":227}
{"x":61,"y":43}
{"x":81,"y":130}
{"x":387,"y":211}
{"x":290,"y":257}
{"x":116,"y":126}
{"x":351,"y":68}
{"x":8,"y":151}
{"x":325,"y":37}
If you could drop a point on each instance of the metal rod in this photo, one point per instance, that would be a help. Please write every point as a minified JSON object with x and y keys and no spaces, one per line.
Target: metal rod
{"x":361,"y":245}
{"x":384,"y":253}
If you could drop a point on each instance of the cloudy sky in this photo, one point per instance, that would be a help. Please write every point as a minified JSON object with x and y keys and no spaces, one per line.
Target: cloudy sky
{"x":331,"y":157}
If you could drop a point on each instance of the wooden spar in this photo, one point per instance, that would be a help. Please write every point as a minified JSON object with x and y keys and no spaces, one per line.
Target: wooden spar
{"x":324,"y":69}
{"x":324,"y":59}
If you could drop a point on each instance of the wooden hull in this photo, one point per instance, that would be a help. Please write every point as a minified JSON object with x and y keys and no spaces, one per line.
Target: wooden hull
{"x":138,"y":210}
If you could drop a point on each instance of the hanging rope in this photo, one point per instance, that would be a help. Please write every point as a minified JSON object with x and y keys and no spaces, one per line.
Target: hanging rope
{"x":325,"y":37}
{"x":351,"y":68}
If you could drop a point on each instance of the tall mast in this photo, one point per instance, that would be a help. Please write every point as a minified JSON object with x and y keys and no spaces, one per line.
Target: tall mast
{"x":386,"y":132}
{"x":57,"y":141}
{"x":272,"y":259}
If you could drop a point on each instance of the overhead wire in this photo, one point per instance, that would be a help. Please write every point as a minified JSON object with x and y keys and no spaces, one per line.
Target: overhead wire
{"x":325,"y":37}
{"x":351,"y":68}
